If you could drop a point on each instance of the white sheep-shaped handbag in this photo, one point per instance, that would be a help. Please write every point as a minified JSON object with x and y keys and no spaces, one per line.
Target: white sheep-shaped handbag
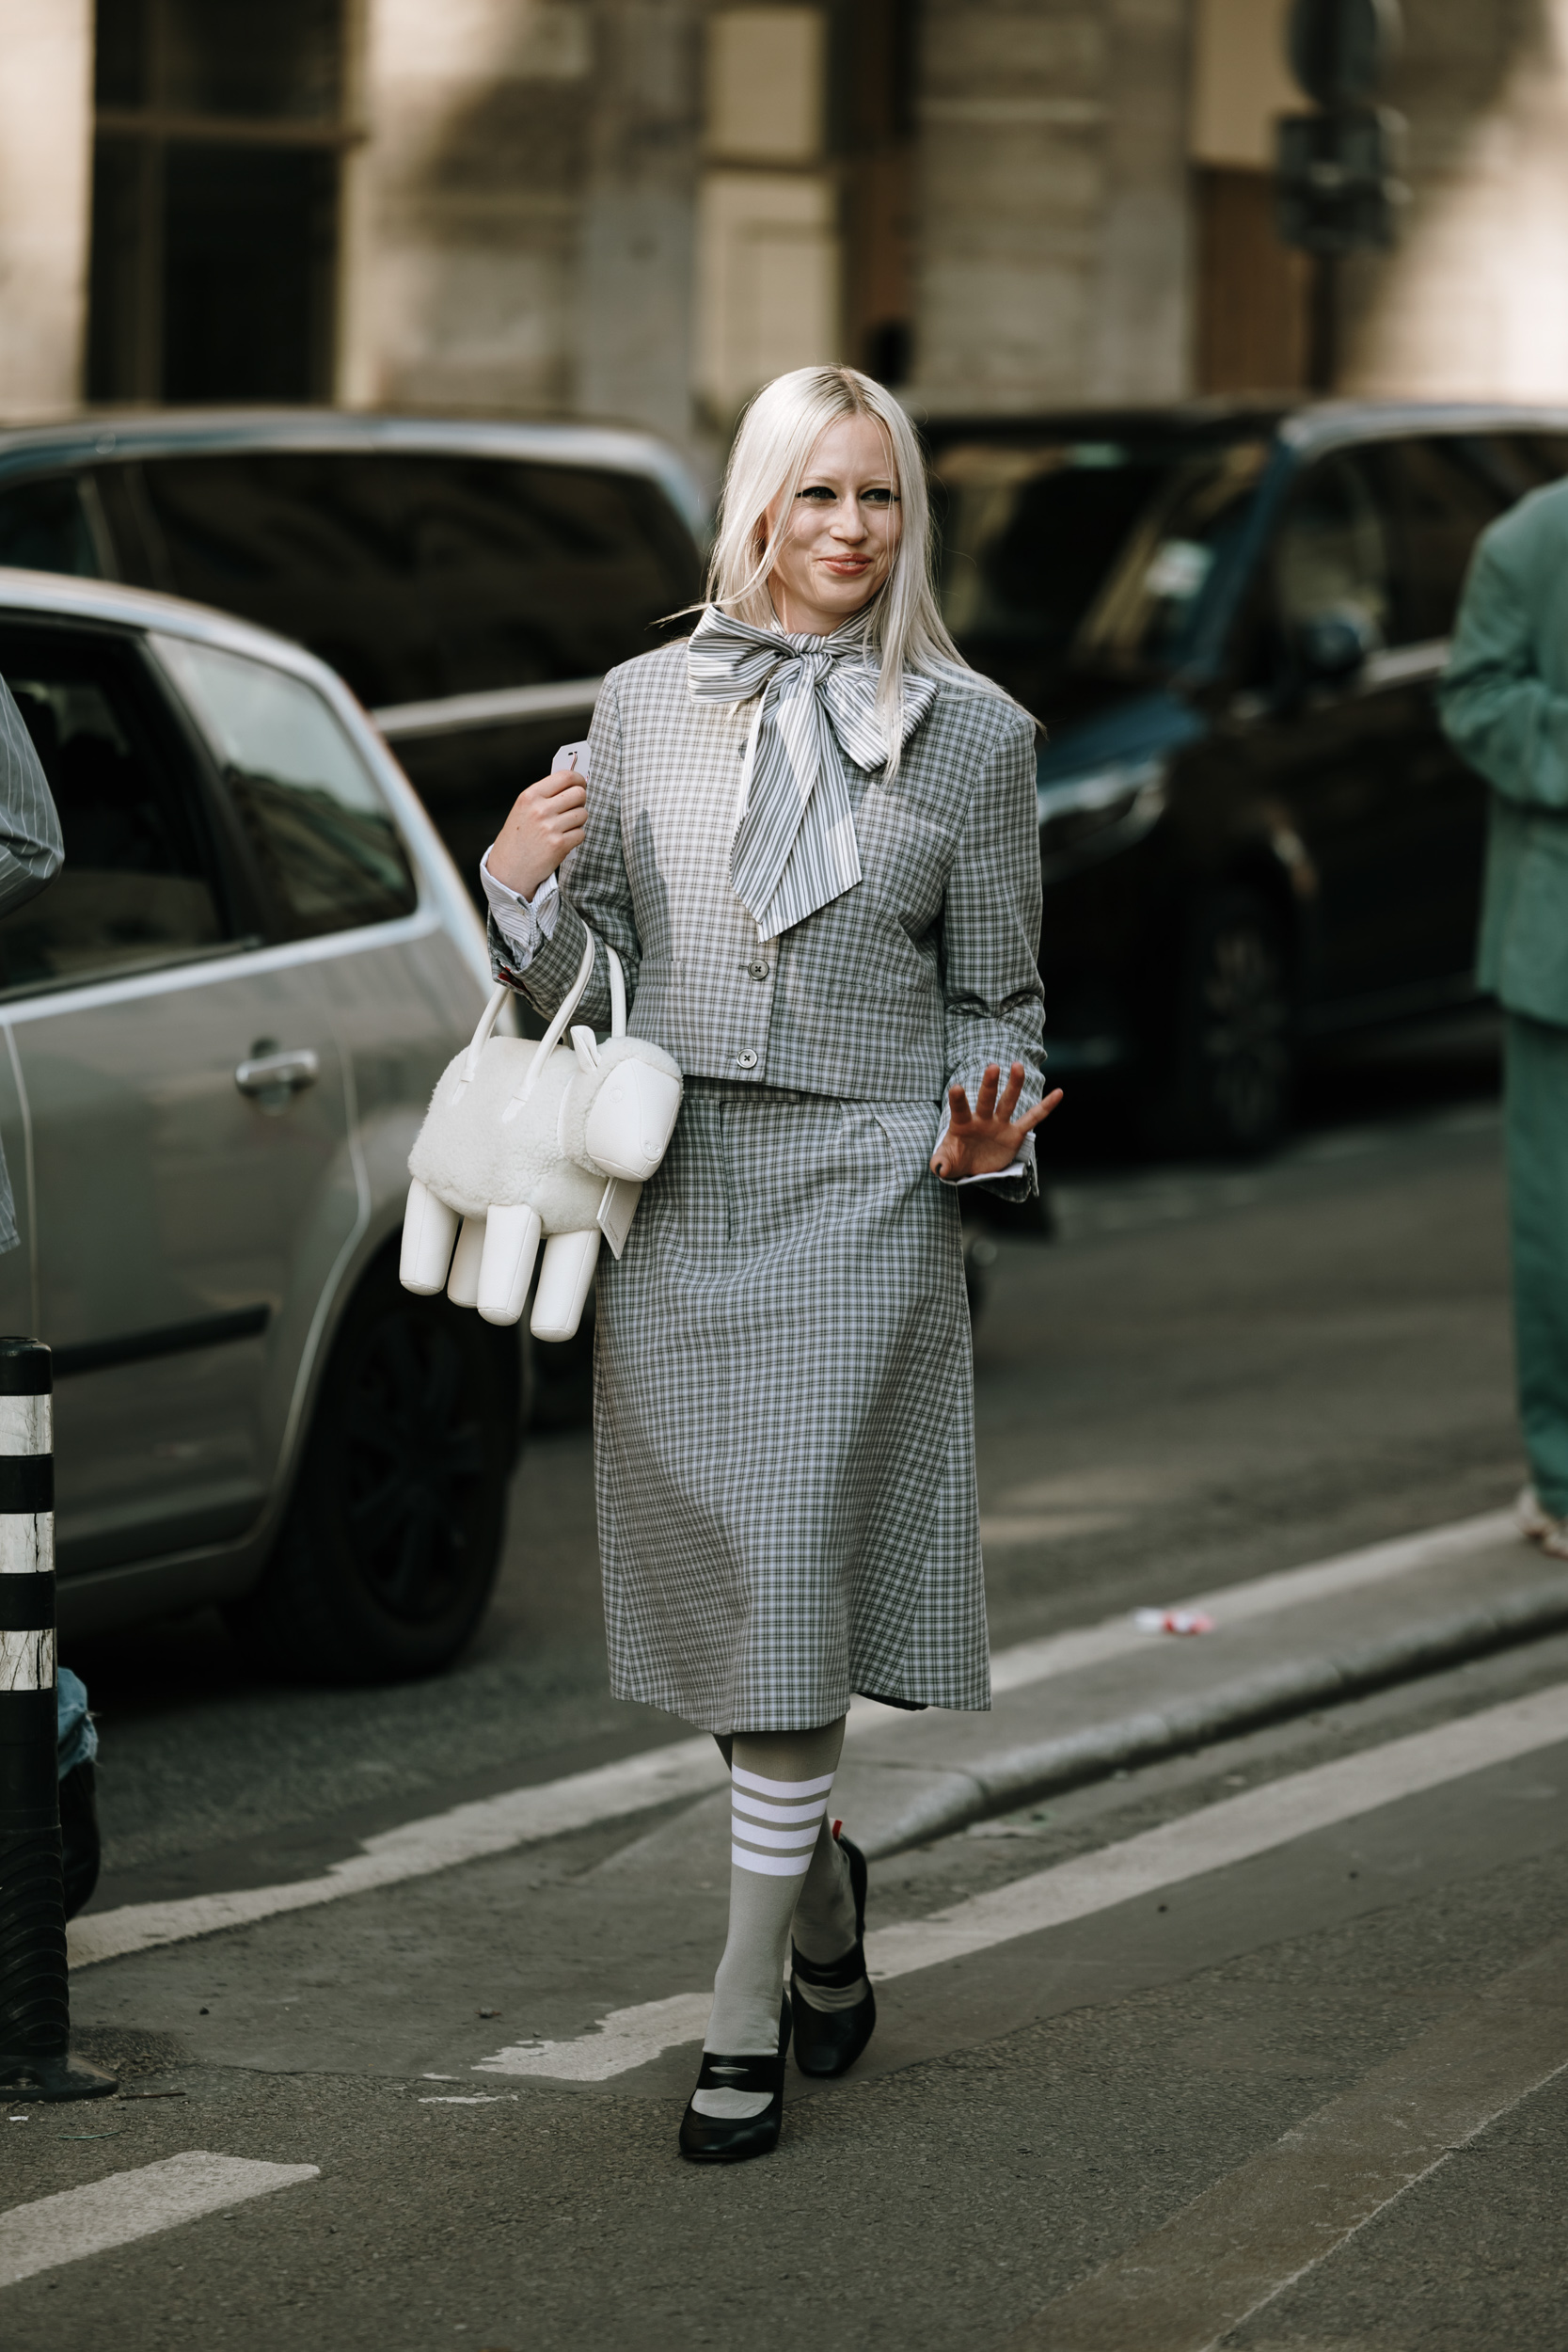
{"x":523,"y":1139}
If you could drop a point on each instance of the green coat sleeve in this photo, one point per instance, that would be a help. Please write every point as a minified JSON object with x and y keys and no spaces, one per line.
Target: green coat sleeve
{"x":1497,"y":709}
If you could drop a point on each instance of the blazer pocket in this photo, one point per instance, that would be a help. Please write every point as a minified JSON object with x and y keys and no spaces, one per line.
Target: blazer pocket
{"x":909,"y":1128}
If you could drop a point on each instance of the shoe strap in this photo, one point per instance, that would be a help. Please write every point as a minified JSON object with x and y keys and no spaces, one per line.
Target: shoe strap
{"x":747,"y":2073}
{"x":834,"y":1975}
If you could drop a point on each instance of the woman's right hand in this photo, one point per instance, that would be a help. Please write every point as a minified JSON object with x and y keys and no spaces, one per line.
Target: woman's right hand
{"x":546,"y":822}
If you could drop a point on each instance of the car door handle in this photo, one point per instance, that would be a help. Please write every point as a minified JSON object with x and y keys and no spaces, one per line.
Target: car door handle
{"x":280,"y":1073}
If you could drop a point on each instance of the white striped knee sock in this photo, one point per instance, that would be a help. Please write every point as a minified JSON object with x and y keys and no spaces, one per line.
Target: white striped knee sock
{"x":779,"y":1788}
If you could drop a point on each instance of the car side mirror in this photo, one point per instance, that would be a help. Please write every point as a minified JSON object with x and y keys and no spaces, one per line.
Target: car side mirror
{"x":1334,"y":645}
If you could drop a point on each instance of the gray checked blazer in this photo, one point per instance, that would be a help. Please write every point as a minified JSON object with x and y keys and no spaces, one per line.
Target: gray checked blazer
{"x":918,"y":975}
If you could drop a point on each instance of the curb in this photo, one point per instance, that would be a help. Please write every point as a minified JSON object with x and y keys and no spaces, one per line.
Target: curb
{"x":1015,"y":1775}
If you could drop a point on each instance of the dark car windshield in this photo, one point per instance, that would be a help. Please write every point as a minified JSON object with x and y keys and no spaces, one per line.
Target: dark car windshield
{"x":419,"y":576}
{"x":1059,"y":555}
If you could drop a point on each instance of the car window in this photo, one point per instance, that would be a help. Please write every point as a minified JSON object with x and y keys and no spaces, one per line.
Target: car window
{"x":1445,"y":494}
{"x":418,"y":576}
{"x":1060,"y":556}
{"x":323,"y":837}
{"x":136,"y":889}
{"x":44,"y":528}
{"x":1332,"y":558}
{"x":1523,"y":461}
{"x":1143,"y":615}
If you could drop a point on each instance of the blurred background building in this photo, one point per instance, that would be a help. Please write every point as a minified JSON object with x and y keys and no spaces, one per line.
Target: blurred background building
{"x":640,"y":208}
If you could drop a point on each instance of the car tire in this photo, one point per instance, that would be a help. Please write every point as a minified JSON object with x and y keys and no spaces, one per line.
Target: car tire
{"x":392,"y":1540}
{"x":1231,"y":1065}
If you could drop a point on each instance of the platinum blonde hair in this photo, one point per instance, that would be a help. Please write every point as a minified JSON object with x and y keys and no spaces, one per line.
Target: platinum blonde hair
{"x":770,"y":459}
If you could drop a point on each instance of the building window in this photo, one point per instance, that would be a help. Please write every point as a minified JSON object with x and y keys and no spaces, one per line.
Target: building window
{"x":220,"y":130}
{"x":769,"y":256}
{"x":804,"y":219}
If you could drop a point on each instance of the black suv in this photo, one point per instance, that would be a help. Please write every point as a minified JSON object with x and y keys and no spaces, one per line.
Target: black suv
{"x":1231,"y":623}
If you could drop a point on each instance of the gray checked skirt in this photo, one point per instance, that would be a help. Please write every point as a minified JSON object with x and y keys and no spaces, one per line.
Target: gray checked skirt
{"x":784,"y":1421}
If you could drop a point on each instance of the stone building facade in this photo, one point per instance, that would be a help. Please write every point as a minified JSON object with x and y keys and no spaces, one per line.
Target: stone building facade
{"x":640,"y":208}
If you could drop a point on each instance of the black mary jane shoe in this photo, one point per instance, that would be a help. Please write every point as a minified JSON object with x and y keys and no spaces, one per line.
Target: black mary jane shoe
{"x":729,"y":2140}
{"x":828,"y":2040}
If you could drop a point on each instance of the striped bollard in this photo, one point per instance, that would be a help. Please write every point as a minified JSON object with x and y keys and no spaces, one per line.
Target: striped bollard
{"x":35,"y":2006}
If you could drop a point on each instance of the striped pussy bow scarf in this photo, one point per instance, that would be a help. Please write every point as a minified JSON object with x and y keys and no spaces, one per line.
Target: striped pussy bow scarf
{"x":795,"y":847}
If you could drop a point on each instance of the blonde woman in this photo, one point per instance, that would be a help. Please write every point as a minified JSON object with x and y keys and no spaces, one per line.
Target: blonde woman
{"x":809,"y":832}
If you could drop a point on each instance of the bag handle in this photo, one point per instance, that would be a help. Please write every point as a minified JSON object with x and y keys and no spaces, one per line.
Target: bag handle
{"x":488,"y":1018}
{"x":557,"y":1029}
{"x":480,"y":1037}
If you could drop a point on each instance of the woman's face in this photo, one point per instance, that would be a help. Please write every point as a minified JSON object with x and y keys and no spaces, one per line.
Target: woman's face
{"x":841,"y":533}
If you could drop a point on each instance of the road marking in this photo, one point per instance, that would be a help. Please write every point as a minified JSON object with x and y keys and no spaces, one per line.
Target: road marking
{"x":624,"y":2038}
{"x":1236,"y":1829}
{"x":470,"y":2099}
{"x":1238,"y":2246}
{"x":1234,"y":1604}
{"x":692,"y":1768}
{"x":129,"y":2205}
{"x":470,"y":1832}
{"x":1233,"y":1830}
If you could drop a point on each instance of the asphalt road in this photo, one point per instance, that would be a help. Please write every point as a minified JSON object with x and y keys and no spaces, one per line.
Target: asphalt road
{"x":1351,"y":2037}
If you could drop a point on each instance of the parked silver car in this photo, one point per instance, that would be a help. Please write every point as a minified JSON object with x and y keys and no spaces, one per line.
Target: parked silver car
{"x":221,"y":1026}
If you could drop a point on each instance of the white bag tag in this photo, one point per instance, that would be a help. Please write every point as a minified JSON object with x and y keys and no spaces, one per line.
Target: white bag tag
{"x":616,"y":1211}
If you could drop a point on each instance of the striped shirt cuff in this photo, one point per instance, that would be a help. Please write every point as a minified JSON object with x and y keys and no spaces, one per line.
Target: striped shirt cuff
{"x":521,"y":922}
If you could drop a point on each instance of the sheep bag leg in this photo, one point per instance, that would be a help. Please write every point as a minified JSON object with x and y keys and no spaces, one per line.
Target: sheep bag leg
{"x":563,"y":1280}
{"x":511,"y":1245}
{"x":463,"y":1282}
{"x":429,"y":1230}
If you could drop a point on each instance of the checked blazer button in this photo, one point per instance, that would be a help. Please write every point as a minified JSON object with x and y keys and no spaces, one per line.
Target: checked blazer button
{"x":747,"y":1060}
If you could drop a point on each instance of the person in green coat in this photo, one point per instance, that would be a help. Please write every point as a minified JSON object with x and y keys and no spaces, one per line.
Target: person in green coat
{"x":1504,"y":705}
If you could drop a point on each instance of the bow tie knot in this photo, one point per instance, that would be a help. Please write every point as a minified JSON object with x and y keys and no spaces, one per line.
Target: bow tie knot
{"x":795,"y":849}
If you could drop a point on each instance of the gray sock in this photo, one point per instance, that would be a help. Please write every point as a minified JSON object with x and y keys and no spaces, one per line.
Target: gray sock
{"x":825,"y":1921}
{"x":780,"y":1781}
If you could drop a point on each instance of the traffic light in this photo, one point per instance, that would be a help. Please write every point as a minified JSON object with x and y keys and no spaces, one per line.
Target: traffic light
{"x":1337,"y":184}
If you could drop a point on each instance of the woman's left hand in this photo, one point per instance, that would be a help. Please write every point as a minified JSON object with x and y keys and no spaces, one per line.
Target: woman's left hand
{"x":985,"y":1140}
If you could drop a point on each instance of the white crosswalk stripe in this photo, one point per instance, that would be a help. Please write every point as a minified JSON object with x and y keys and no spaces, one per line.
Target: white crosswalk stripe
{"x":129,"y":2205}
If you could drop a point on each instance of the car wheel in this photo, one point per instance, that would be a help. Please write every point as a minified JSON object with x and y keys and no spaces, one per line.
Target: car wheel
{"x":1232,"y":1064}
{"x":392,"y":1540}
